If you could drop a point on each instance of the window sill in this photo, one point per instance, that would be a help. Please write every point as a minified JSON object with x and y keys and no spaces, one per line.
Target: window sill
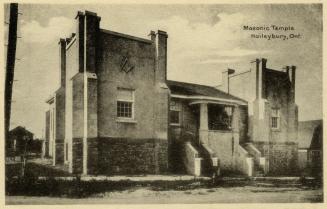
{"x":222,"y":130}
{"x":175,"y":124}
{"x":275,"y":129}
{"x":125,"y":120}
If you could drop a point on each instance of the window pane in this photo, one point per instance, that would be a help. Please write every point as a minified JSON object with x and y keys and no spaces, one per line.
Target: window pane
{"x":274,"y":122}
{"x":218,"y":118}
{"x":124,"y":109}
{"x":174,"y":116}
{"x":275,"y":118}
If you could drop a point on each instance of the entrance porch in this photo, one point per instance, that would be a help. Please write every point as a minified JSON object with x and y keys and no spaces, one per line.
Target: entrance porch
{"x":209,"y":136}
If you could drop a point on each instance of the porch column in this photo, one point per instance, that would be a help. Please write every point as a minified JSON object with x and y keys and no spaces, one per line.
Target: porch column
{"x":203,"y":132}
{"x":236,"y":135}
{"x":235,"y":119}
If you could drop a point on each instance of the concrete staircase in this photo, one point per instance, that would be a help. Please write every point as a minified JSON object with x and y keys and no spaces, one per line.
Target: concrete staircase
{"x":259,"y":162}
{"x":209,"y":162}
{"x":258,"y":171}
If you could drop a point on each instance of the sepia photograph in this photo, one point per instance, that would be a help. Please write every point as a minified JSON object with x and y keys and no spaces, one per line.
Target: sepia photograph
{"x":163,"y":103}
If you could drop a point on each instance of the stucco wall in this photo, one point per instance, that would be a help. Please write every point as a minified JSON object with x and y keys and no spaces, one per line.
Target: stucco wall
{"x":141,"y":79}
{"x":94,"y":59}
{"x":47,"y":132}
{"x":71,"y":59}
{"x":278,"y":92}
{"x":223,"y":143}
{"x":52,"y":129}
{"x":279,"y":145}
{"x":60,"y":114}
{"x":60,"y":125}
{"x":78,"y":106}
{"x":71,"y":70}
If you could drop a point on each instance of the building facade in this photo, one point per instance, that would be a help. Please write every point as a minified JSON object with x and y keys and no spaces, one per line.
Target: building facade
{"x":116,"y":113}
{"x":272,"y":113}
{"x":19,"y":141}
{"x":310,"y":153}
{"x":104,"y":118}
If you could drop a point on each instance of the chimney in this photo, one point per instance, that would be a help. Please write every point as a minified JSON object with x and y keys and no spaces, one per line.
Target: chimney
{"x":261,"y":78}
{"x":92,"y":25}
{"x":62,"y":61}
{"x":152,"y":35}
{"x":293,"y":76}
{"x":264,"y":63}
{"x":87,"y":36}
{"x":293,"y":82}
{"x":263,"y":75}
{"x":288,"y":71}
{"x":161,"y":74}
{"x":257,"y":78}
{"x":80,"y":40}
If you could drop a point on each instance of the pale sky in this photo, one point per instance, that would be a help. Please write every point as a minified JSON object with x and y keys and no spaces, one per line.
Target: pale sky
{"x":203,"y":41}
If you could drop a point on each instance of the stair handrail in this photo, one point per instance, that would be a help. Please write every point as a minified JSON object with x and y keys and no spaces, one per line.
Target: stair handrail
{"x":243,"y":151}
{"x":189,"y":144}
{"x":254,"y":152}
{"x":208,"y":150}
{"x":254,"y":149}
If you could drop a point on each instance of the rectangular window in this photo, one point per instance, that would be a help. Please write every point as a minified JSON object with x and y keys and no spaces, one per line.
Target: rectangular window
{"x":275,"y":119}
{"x":125,"y":103}
{"x":174,"y":117}
{"x":220,"y":117}
{"x":174,"y":113}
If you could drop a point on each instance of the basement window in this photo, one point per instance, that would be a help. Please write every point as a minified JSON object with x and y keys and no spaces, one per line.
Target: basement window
{"x":125,"y":103}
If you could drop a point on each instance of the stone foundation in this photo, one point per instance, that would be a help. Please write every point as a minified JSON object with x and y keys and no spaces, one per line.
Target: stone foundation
{"x":46,"y":149}
{"x":93,"y":156}
{"x":77,"y":164}
{"x":59,"y":149}
{"x":282,"y":157}
{"x":109,"y":156}
{"x":132,"y":156}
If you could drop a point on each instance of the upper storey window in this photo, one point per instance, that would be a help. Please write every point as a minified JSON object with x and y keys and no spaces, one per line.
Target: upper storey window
{"x":125,"y":103}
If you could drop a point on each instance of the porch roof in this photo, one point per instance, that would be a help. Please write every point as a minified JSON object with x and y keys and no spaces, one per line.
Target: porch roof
{"x":197,"y":91}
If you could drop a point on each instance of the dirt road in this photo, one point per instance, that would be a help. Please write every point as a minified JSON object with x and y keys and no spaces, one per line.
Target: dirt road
{"x":247,"y":194}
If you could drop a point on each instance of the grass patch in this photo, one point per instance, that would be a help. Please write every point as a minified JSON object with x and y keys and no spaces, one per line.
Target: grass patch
{"x":32,"y":185}
{"x":76,"y":188}
{"x":33,"y":169}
